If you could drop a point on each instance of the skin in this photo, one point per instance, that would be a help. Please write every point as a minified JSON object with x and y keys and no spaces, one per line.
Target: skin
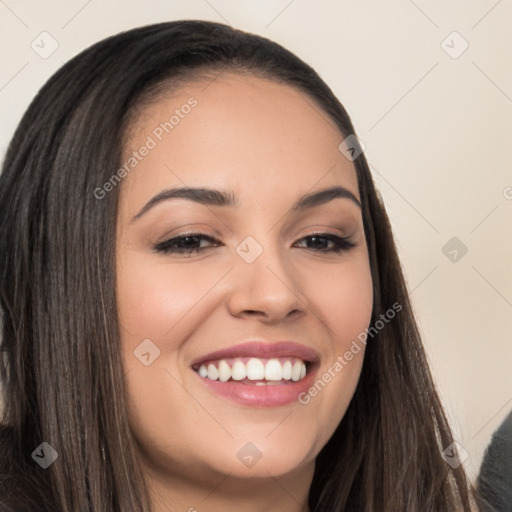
{"x":269,"y":145}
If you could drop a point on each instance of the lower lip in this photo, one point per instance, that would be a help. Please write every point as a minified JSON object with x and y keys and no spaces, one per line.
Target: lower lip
{"x":261,"y":396}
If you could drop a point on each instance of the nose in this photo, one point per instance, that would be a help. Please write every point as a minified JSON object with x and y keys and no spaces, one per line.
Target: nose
{"x":266,"y":289}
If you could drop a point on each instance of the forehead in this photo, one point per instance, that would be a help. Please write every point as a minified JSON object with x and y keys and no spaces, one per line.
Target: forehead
{"x":239,"y":132}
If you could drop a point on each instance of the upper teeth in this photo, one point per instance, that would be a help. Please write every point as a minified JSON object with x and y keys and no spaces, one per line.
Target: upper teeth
{"x":254,"y":369}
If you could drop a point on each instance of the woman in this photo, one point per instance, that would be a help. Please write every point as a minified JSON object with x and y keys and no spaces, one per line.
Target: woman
{"x":203,"y":305}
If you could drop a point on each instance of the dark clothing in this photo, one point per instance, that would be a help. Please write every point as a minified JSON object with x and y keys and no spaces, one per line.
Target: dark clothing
{"x":495,"y":478}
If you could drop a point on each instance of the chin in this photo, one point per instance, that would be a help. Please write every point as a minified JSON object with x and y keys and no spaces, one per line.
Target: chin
{"x":262,"y":458}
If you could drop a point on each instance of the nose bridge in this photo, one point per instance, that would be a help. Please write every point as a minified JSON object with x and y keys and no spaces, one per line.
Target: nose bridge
{"x":258,"y":252}
{"x":264,"y":281}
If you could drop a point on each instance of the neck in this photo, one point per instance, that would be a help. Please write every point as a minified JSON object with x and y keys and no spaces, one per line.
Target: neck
{"x":286,"y":493}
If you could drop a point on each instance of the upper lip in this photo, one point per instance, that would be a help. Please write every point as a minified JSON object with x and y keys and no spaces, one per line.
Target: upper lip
{"x":262,"y":349}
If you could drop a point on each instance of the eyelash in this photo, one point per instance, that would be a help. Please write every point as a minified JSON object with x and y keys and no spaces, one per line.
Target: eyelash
{"x":342,"y":244}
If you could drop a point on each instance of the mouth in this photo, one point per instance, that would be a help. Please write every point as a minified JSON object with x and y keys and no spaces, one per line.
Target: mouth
{"x":255,"y":370}
{"x":259,"y":374}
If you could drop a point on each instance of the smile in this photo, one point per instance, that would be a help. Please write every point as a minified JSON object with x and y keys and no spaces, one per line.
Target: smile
{"x":255,"y":370}
{"x":259,"y":374}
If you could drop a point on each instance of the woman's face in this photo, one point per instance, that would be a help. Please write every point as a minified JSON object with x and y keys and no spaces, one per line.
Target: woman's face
{"x":215,"y":342}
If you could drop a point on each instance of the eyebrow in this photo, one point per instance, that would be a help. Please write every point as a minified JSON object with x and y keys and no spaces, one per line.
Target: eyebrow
{"x":213,"y":197}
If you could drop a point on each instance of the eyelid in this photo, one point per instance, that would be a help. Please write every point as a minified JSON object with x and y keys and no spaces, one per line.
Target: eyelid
{"x":341,"y":243}
{"x":199,"y":234}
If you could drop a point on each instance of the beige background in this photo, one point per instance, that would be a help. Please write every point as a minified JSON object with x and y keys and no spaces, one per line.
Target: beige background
{"x":437,"y":131}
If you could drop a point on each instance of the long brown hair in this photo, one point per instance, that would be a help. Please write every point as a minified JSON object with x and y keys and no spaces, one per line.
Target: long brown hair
{"x":61,"y":371}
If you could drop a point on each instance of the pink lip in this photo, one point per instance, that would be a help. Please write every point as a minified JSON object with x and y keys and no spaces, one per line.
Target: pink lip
{"x":263,"y":350}
{"x":262,"y":396}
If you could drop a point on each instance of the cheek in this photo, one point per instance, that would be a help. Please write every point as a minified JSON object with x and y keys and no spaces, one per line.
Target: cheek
{"x":341,"y":296}
{"x":343,"y":301}
{"x":154,"y":299}
{"x":162,"y":303}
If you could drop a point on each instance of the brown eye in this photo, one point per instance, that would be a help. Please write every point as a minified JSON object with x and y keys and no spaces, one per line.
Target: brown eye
{"x":184,"y":244}
{"x":320,"y":242}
